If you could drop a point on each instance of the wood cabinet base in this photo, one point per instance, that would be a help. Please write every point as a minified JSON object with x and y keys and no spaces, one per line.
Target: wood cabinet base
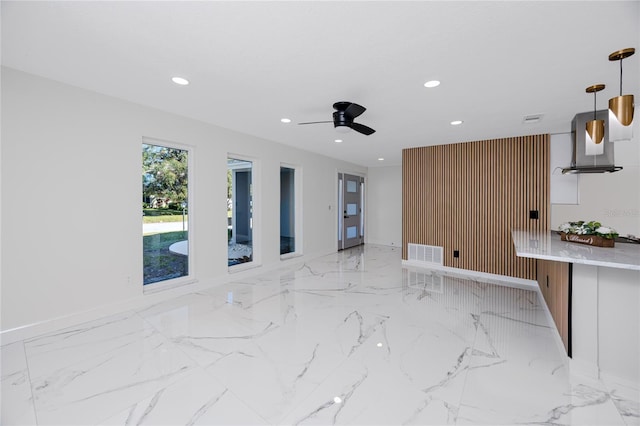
{"x":554,"y":279}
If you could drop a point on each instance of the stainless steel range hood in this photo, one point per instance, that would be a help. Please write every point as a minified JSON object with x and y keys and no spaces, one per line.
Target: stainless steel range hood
{"x":582,"y":163}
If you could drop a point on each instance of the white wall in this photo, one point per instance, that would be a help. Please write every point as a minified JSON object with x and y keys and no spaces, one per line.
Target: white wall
{"x":606,"y":323}
{"x":71,"y":197}
{"x":610,"y":198}
{"x":384,"y":206}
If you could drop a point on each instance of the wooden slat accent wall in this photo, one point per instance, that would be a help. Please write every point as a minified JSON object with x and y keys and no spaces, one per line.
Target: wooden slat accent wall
{"x":468,"y":197}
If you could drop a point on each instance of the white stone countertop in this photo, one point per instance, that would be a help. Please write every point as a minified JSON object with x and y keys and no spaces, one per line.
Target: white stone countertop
{"x":549,"y":246}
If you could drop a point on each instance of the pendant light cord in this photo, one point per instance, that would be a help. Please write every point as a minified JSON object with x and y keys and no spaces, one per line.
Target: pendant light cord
{"x":594,"y":104}
{"x":620,"y":77}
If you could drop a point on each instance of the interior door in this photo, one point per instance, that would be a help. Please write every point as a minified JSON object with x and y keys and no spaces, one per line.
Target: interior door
{"x":350,"y":210}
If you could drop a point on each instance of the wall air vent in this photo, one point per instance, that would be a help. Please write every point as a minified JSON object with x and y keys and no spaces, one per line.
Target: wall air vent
{"x":531,"y":119}
{"x":425,"y":254}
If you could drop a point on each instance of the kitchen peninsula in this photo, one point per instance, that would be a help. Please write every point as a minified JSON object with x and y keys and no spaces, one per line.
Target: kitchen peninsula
{"x":593,"y":294}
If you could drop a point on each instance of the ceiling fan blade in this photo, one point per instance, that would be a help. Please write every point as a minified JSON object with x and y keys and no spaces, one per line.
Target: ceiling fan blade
{"x":354,"y":110}
{"x":316,"y":122}
{"x":365,"y":130}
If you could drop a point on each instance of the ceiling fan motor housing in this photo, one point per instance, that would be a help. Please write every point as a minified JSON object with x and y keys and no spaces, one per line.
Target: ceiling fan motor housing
{"x":341,"y":119}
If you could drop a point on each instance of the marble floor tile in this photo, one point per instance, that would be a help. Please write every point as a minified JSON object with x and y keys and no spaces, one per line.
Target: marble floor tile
{"x":16,"y":400}
{"x":204,"y":329}
{"x":350,"y":338}
{"x":196,"y":399}
{"x":70,"y":346}
{"x":357,"y":394}
{"x":626,"y":400}
{"x":100,"y":383}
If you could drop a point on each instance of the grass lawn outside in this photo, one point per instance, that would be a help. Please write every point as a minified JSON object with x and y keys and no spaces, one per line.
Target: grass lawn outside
{"x":164,"y":218}
{"x":159,"y":263}
{"x":163,"y":215}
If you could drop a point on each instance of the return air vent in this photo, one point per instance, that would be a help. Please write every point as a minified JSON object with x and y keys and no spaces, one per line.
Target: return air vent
{"x":426,"y":254}
{"x":531,"y":119}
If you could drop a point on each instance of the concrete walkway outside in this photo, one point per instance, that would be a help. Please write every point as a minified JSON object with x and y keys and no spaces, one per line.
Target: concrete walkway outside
{"x":153,"y":228}
{"x":181,"y":248}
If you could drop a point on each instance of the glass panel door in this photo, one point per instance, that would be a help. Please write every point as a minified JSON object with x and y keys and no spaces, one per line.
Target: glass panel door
{"x":350,"y":210}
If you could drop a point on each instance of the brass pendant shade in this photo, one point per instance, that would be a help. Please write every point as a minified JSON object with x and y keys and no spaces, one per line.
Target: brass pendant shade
{"x":621,"y":108}
{"x":595,"y":128}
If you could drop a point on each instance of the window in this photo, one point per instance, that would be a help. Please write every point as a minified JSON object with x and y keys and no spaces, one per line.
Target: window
{"x":287,"y":210}
{"x":240,"y":211}
{"x":165,"y":212}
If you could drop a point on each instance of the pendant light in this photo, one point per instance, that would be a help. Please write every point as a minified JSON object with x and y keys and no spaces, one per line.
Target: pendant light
{"x":621,"y":107}
{"x":594,"y":144}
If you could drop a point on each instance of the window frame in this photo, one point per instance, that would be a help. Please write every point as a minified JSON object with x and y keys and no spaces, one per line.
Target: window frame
{"x":256,"y":215}
{"x":297,"y":215}
{"x":191,"y":274}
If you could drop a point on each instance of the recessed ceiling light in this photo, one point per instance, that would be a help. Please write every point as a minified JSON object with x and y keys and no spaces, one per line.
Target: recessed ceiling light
{"x":181,"y":81}
{"x":285,"y":120}
{"x":432,"y":83}
{"x":456,"y":122}
{"x":380,"y":159}
{"x":338,"y":141}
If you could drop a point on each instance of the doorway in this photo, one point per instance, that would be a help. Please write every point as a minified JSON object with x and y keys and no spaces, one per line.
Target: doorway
{"x":350,"y":211}
{"x":240,"y":211}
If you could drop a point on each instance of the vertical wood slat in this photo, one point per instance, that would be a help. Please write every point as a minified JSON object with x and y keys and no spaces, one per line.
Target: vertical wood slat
{"x":469,"y":196}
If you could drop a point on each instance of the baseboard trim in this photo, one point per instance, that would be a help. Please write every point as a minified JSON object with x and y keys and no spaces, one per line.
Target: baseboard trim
{"x":502,"y":280}
{"x":386,"y":243}
{"x":146,"y":299}
{"x":39,"y":328}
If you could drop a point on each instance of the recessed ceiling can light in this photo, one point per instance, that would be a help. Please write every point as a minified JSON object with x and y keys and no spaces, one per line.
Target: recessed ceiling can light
{"x":285,"y":120}
{"x":380,"y":159}
{"x":338,"y":141}
{"x":456,"y":122}
{"x":432,"y":83}
{"x":180,"y":81}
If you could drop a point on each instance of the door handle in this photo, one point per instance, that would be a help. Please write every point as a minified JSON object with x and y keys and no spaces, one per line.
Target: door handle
{"x":346,"y":217}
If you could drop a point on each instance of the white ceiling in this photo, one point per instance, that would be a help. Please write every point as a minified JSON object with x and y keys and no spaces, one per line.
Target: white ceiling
{"x":252,"y":63}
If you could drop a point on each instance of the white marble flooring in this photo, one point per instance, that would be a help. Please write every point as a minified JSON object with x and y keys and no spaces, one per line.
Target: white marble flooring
{"x":349,"y":338}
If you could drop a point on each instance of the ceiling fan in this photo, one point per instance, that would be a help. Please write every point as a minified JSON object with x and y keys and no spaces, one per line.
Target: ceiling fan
{"x":343,"y":117}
